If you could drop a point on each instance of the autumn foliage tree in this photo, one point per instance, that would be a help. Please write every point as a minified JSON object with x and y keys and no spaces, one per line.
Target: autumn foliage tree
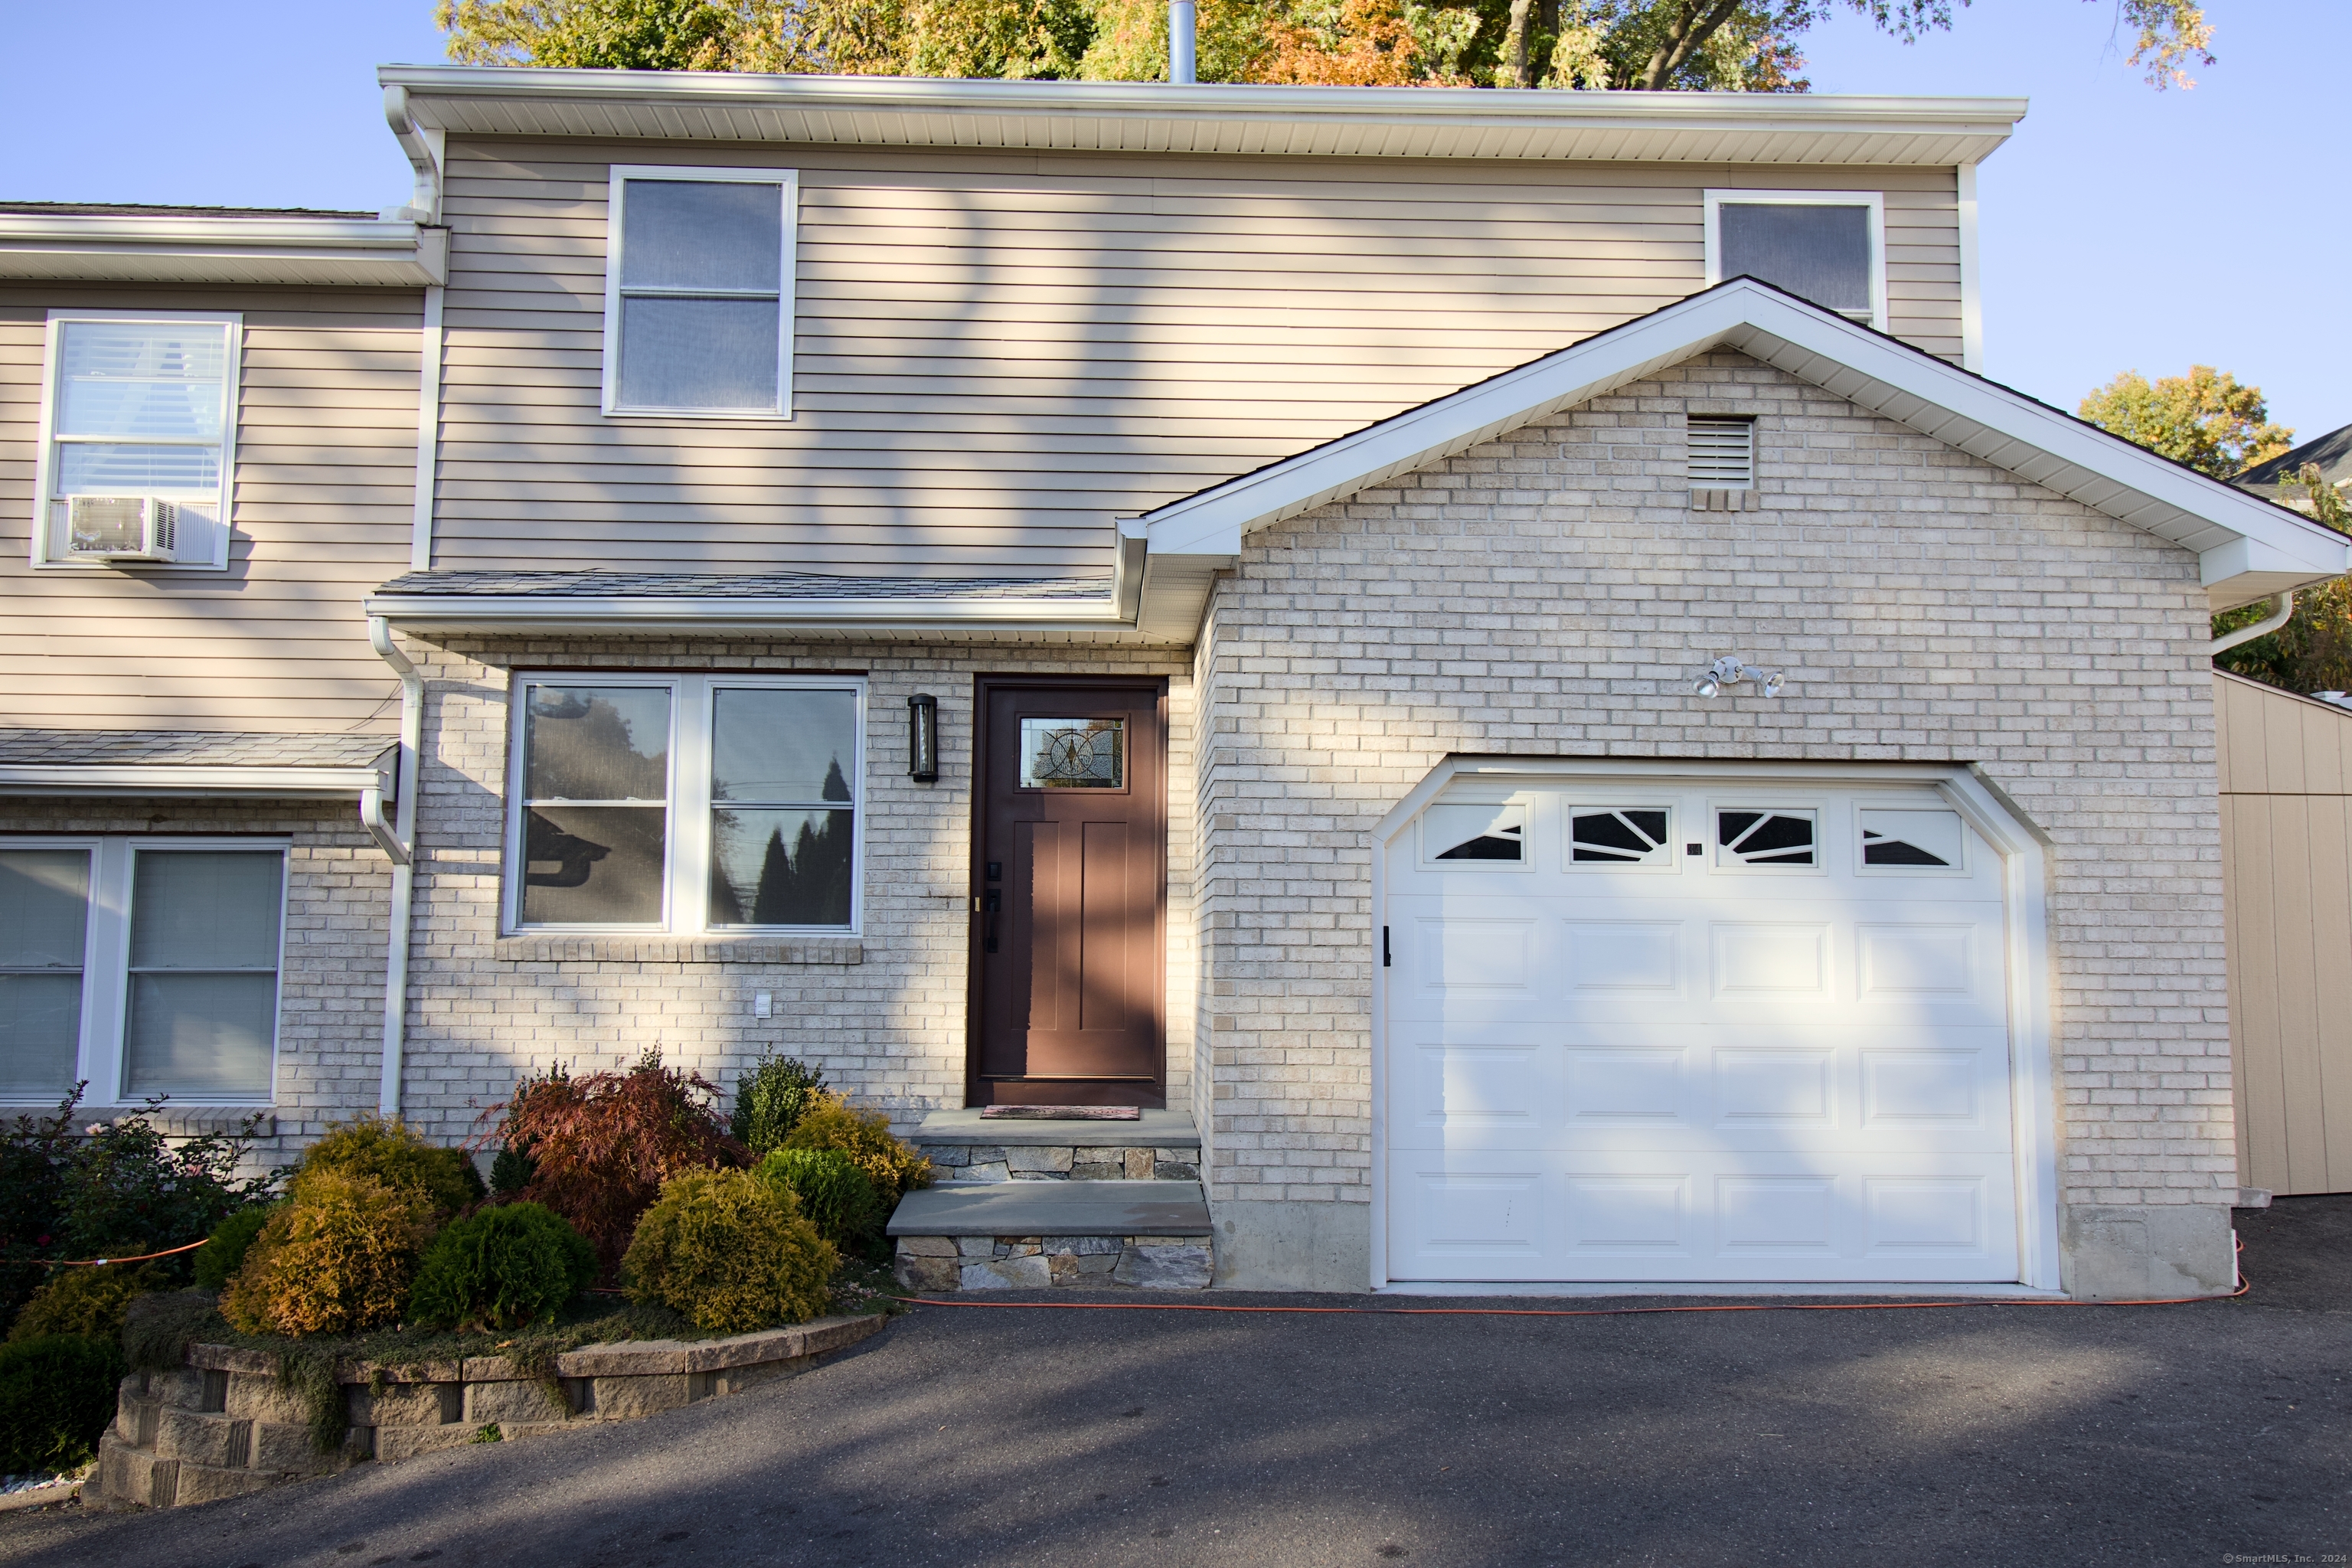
{"x":2313,"y":652}
{"x":1737,"y":45}
{"x":2205,"y":419}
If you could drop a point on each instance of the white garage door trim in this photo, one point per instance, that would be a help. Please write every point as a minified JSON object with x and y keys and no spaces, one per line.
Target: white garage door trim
{"x":2020,"y":846}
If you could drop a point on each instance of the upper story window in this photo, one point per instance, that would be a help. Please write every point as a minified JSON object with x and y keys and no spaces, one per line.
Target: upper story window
{"x":686,"y":803}
{"x":1828,"y":247}
{"x":147,"y":966}
{"x":699,"y":293}
{"x":138,"y":440}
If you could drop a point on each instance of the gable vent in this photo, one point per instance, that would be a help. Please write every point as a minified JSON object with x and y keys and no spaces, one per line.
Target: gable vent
{"x":1722,"y":453}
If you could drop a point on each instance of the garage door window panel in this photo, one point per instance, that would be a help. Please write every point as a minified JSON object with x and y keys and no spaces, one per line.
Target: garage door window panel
{"x":1466,"y":835}
{"x":1912,"y":843}
{"x":1637,"y":835}
{"x":1767,"y":838}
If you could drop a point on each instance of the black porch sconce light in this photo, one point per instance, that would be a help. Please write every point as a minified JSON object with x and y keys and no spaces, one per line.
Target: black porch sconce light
{"x":923,"y":739}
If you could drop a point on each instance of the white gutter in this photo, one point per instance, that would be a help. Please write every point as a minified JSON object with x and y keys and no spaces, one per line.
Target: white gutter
{"x":187,"y":780}
{"x":2281,"y":611}
{"x":403,"y":850}
{"x":427,"y":150}
{"x":200,"y":247}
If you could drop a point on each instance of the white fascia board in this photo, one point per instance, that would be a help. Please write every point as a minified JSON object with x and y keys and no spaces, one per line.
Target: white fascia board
{"x":193,"y":780}
{"x":2233,"y":532}
{"x":1202,"y":118}
{"x":111,"y":246}
{"x":492,"y":612}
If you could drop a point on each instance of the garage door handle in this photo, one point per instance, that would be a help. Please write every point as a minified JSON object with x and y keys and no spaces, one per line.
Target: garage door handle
{"x":1385,"y":947}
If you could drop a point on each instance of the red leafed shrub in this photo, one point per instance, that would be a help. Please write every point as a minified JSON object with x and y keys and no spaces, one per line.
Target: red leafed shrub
{"x":599,"y":1146}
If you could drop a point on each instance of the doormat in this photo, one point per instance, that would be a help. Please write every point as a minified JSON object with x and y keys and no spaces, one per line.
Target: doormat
{"x":1061,"y":1113}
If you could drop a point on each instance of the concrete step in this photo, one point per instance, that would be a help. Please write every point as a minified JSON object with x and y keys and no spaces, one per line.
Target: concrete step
{"x":1053,"y":1208}
{"x":1152,"y":1130}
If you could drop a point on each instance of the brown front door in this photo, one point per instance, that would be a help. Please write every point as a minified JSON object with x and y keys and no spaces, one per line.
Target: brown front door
{"x":1070,"y":874}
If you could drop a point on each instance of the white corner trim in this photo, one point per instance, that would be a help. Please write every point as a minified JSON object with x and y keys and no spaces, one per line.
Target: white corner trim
{"x":430,"y":349}
{"x":2002,"y":427}
{"x":1971,"y":275}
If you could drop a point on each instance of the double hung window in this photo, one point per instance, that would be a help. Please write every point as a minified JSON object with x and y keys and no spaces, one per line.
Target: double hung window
{"x":699,"y":293}
{"x":1829,"y":247}
{"x":145,"y":966}
{"x":686,"y":803}
{"x":139,"y":405}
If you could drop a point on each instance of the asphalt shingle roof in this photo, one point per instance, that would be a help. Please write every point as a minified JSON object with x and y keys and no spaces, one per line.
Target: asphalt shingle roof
{"x":186,"y":748}
{"x":140,"y":209}
{"x":2332,"y":452}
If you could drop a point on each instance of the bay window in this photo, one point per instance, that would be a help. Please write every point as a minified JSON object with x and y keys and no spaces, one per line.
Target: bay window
{"x":686,"y":803}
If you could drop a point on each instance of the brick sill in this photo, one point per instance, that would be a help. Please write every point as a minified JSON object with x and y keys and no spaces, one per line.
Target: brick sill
{"x":627,"y":949}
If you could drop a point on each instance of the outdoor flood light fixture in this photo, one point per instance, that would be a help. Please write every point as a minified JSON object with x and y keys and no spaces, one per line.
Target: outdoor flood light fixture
{"x":1729,"y":671}
{"x":923,"y":739}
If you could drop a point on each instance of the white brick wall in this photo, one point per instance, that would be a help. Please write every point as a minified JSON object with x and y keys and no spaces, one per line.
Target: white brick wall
{"x":889,"y":1029}
{"x":1553,"y":595}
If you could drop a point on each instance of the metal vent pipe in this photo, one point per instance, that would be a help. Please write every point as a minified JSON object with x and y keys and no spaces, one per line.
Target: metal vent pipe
{"x":1180,"y":40}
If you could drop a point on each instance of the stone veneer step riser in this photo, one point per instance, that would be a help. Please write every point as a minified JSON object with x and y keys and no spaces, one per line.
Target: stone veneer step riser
{"x":1062,"y":1163}
{"x":950,"y":1263}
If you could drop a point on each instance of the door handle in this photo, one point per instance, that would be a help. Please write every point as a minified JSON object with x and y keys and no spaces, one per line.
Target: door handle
{"x":992,"y":904}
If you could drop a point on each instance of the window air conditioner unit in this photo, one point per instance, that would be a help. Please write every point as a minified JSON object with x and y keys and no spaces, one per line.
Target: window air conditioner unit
{"x":121,"y":529}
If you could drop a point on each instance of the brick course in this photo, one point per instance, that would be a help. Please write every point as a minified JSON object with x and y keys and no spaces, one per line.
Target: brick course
{"x":1554,"y":593}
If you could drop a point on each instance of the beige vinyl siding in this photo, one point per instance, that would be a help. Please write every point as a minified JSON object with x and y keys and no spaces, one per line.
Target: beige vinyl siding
{"x":326,"y":469}
{"x":995,"y":354}
{"x":2287,"y":847}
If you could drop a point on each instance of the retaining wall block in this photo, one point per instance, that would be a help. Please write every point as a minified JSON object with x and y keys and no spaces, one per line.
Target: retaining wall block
{"x":180,"y":1390}
{"x":258,"y":1398}
{"x":208,"y":1483}
{"x":200,"y":1438}
{"x":406,"y":1404}
{"x":505,"y":1402}
{"x":625,"y":1398}
{"x":285,"y":1445}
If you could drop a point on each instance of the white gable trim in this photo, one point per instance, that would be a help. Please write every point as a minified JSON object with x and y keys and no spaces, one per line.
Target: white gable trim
{"x":2248,"y":548}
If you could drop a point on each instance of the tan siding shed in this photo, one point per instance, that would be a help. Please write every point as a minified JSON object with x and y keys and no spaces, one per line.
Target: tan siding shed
{"x":2287,"y":847}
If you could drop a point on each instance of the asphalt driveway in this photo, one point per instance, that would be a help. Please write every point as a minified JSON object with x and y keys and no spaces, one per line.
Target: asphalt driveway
{"x":2041,"y":1435}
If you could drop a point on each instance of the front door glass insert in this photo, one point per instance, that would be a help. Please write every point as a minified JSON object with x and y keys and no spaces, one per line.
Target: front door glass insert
{"x":1073,"y":754}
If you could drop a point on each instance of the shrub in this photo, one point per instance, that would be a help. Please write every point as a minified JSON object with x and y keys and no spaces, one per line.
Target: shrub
{"x":389,"y":1153}
{"x":894,"y":1167}
{"x":56,"y":1395}
{"x":505,"y":1268}
{"x":601,"y":1145}
{"x":336,"y":1259}
{"x":838,"y":1198}
{"x":112,"y":1189}
{"x":770,"y":1100}
{"x":731,"y":1252}
{"x":87,"y":1301}
{"x":511,"y":1172}
{"x":223,"y":1253}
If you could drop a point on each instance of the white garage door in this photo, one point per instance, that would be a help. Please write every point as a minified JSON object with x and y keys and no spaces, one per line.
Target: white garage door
{"x":1654,"y":1034}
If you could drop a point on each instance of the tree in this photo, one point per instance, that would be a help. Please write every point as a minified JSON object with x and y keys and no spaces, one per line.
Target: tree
{"x":1743,"y":45}
{"x":2313,"y":652}
{"x":2204,"y":419}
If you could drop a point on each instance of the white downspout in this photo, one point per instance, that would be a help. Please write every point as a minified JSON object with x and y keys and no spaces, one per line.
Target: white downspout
{"x":1181,"y":39}
{"x":404,"y":864}
{"x":2261,"y":628}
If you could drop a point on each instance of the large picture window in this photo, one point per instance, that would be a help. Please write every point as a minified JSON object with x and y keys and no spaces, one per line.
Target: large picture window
{"x":1828,"y":247}
{"x":132,"y":407}
{"x":145,"y":966}
{"x":686,"y":803}
{"x":699,"y":293}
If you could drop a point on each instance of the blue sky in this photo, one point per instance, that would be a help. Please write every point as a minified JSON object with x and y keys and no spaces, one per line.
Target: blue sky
{"x":2122,"y":227}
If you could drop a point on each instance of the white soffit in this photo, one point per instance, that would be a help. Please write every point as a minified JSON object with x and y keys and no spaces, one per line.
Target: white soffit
{"x":121,"y":248}
{"x":2248,"y":548}
{"x":1153,"y":117}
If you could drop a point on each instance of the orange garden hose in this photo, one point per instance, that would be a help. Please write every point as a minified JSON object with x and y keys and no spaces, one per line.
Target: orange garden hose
{"x":102,"y":1262}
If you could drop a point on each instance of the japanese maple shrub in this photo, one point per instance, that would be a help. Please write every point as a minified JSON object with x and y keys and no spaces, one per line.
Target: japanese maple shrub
{"x":601,"y":1144}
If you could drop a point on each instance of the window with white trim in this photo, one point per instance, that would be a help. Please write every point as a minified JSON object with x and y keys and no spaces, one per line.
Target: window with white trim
{"x":137,"y":407}
{"x":698,"y":292}
{"x":686,"y":803}
{"x":1829,"y":247}
{"x":146,"y":967}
